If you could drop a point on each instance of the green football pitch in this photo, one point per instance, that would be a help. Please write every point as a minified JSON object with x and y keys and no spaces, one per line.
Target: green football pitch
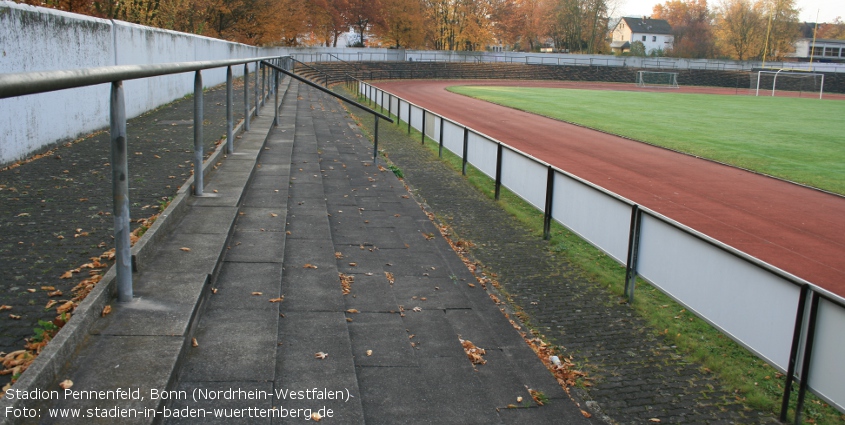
{"x":798,"y":139}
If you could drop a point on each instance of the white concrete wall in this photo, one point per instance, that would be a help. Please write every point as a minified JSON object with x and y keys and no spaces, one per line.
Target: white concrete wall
{"x":39,"y":39}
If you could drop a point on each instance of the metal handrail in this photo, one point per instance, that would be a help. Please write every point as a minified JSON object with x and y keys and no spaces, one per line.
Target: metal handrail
{"x":20,"y":84}
{"x":346,"y":62}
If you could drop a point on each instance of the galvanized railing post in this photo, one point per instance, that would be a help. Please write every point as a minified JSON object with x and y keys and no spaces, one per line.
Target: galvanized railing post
{"x":466,"y":149}
{"x":423,"y":127}
{"x":257,"y":95}
{"x":547,"y":215}
{"x":440,"y":147}
{"x":246,"y":97}
{"x":276,"y":102}
{"x":120,"y":193}
{"x":410,"y":108}
{"x":263,"y":85}
{"x":633,"y":252}
{"x":498,"y":183}
{"x":375,"y":143}
{"x":198,"y":153}
{"x":793,"y":352}
{"x":808,"y":355}
{"x":230,"y":125}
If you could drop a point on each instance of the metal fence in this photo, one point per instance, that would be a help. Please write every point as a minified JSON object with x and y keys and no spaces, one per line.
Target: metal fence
{"x":792,"y":324}
{"x":21,"y":84}
{"x":560,"y":59}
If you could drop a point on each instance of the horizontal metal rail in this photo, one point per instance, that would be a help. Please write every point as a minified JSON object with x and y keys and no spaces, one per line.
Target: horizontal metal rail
{"x":19,"y":84}
{"x":321,"y":88}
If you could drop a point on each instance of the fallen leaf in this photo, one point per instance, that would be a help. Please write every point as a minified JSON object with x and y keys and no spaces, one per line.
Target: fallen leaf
{"x":67,"y":383}
{"x":474,"y":354}
{"x":14,"y":317}
{"x":273,"y":215}
{"x":5,"y":307}
{"x":338,"y":255}
{"x":186,"y":249}
{"x":106,"y":310}
{"x":316,"y":417}
{"x":257,"y":293}
{"x":389,"y":277}
{"x":652,"y":420}
{"x":519,"y":399}
{"x":321,"y":355}
{"x":277,"y":300}
{"x":56,"y":293}
{"x":369,"y":353}
{"x":309,"y":266}
{"x":417,"y":309}
{"x":588,"y":415}
{"x":194,"y":342}
{"x":352,"y":311}
{"x":353,"y":264}
{"x":64,"y":308}
{"x":213,"y":290}
{"x":31,"y":290}
{"x":48,"y":288}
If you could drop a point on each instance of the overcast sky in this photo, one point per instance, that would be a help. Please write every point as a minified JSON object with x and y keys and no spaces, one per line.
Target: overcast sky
{"x":827,"y":10}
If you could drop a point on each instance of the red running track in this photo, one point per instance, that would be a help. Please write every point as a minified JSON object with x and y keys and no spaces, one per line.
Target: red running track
{"x":795,"y":228}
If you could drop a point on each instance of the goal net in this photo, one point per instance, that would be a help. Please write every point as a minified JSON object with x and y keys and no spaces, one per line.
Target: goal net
{"x":787,"y":83}
{"x":657,"y":79}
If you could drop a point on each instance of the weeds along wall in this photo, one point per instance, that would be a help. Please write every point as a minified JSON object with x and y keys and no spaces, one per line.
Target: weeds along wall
{"x":39,"y":39}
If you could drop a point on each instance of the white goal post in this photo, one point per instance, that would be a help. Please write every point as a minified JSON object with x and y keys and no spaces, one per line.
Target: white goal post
{"x":791,"y":81}
{"x":657,"y":79}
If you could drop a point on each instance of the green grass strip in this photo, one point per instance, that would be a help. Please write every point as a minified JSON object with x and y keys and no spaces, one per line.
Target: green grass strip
{"x":797,"y":139}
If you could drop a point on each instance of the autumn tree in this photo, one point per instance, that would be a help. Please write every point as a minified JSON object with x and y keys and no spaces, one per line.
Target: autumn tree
{"x":740,"y":29}
{"x":691,"y":22}
{"x":832,"y":31}
{"x":402,"y":23}
{"x":783,"y":28}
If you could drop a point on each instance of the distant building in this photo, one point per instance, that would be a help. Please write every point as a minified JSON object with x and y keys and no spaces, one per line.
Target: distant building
{"x":655,"y":34}
{"x":821,"y":51}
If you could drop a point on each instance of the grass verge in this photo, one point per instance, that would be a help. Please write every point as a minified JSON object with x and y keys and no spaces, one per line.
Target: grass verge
{"x":795,"y":139}
{"x":755,"y":383}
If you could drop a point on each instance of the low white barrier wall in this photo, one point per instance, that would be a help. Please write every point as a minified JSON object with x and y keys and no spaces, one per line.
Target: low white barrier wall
{"x":756,"y":304}
{"x":40,"y":39}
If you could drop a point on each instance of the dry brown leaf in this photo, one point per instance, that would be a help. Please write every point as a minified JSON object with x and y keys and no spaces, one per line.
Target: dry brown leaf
{"x":48,"y":288}
{"x":338,"y":255}
{"x":519,"y":399}
{"x":31,"y":290}
{"x":369,"y":353}
{"x":316,"y":417}
{"x":417,"y":309}
{"x":389,"y":277}
{"x":273,"y":215}
{"x":346,"y":281}
{"x":589,"y":415}
{"x":321,"y":355}
{"x":650,"y":420}
{"x":186,"y":249}
{"x":352,"y":311}
{"x":194,"y":342}
{"x":64,"y":308}
{"x":353,"y":264}
{"x":56,"y":293}
{"x":213,"y":290}
{"x":309,"y":266}
{"x":5,"y":307}
{"x":474,"y":354}
{"x":67,"y":383}
{"x":277,"y":300}
{"x":257,"y":293}
{"x":14,"y":317}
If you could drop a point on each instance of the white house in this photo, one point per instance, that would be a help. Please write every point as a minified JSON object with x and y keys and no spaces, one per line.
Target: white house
{"x":822,"y":50}
{"x":655,"y":34}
